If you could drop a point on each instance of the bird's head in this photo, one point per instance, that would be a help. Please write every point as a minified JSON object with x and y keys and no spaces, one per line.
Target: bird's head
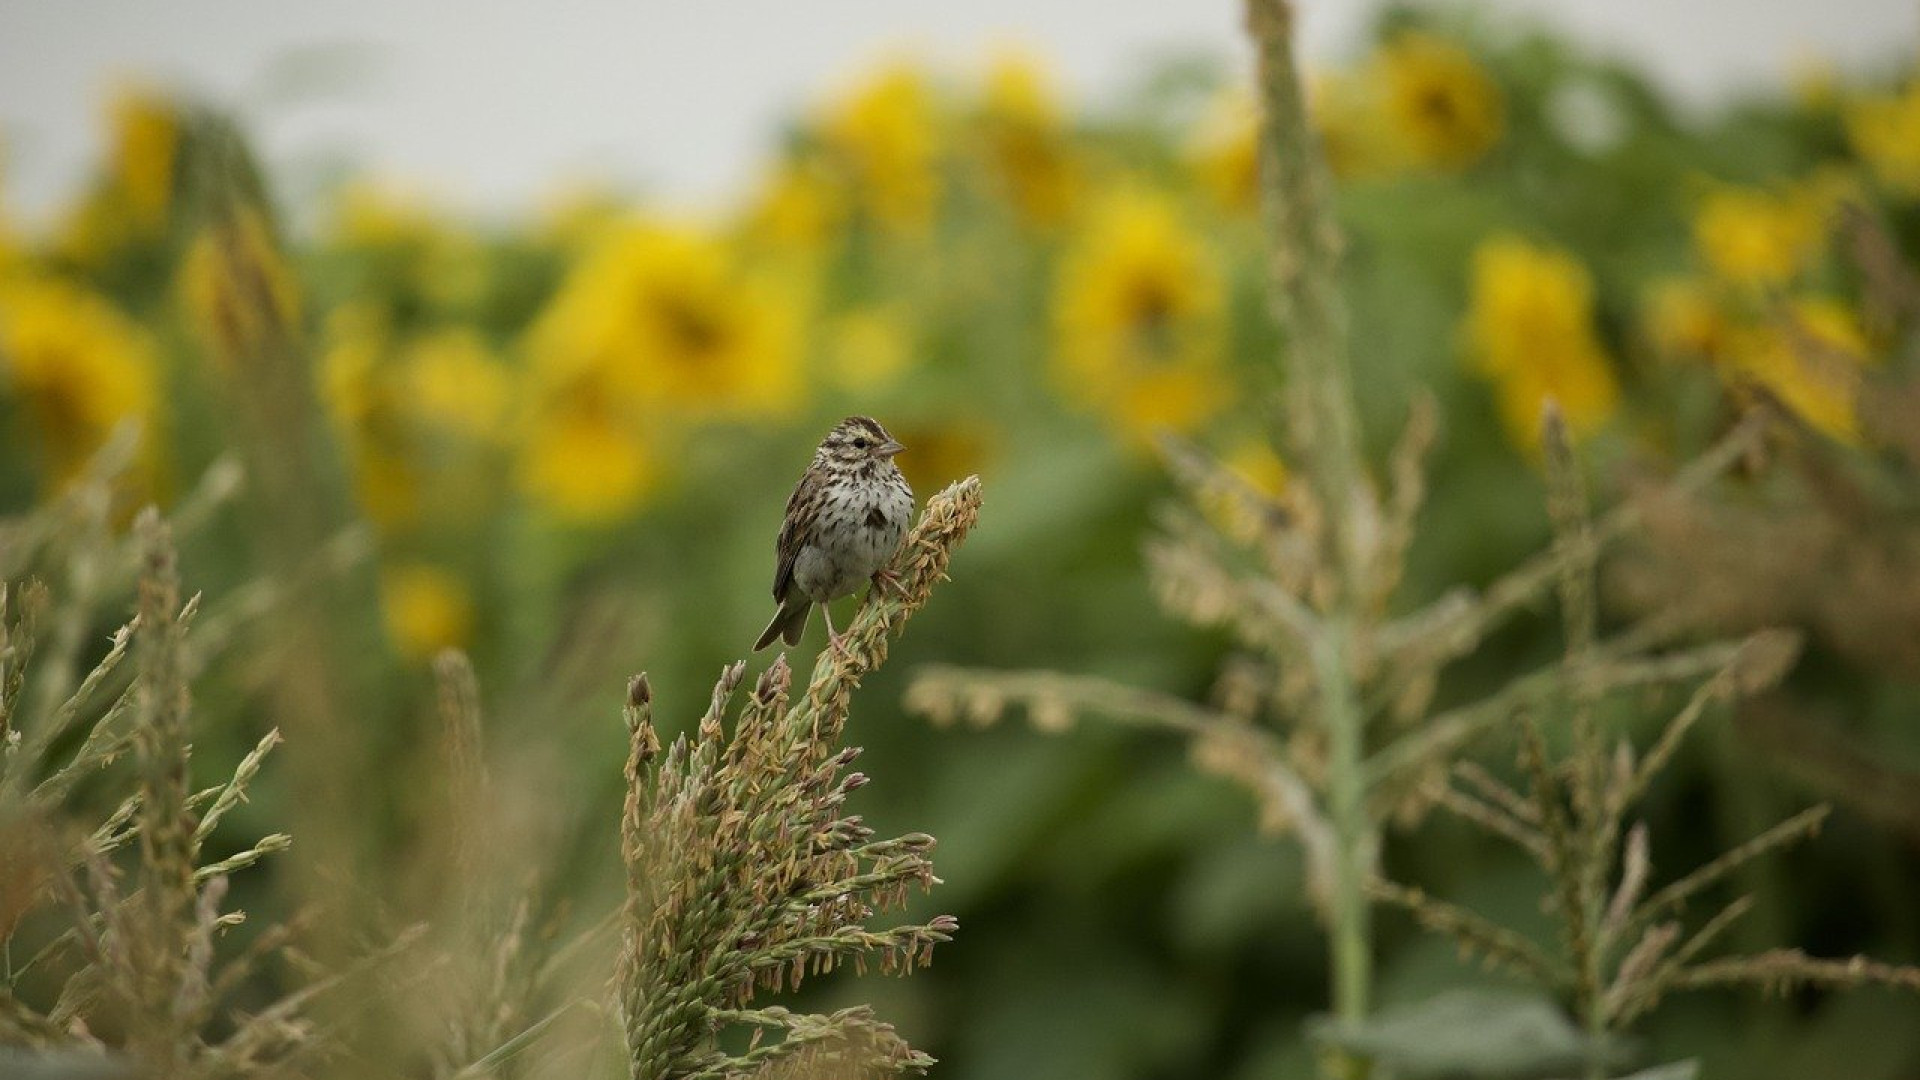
{"x":858,"y":439}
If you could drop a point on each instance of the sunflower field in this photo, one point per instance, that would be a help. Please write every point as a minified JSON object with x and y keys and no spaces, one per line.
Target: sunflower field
{"x":1485,"y":493}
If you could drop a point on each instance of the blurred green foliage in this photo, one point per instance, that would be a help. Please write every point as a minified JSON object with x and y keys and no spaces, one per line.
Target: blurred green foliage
{"x":571,"y":437}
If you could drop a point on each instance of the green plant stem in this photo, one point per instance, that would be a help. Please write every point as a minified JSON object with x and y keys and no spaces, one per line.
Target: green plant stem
{"x":1304,"y":267}
{"x":1356,"y":835}
{"x":1594,"y":1003}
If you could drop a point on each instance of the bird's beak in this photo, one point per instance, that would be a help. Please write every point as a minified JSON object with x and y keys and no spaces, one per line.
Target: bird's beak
{"x":889,"y":448}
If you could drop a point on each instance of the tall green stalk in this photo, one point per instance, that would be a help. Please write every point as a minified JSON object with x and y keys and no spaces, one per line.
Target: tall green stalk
{"x":1309,"y":597}
{"x":1356,"y":837}
{"x":1304,"y":263}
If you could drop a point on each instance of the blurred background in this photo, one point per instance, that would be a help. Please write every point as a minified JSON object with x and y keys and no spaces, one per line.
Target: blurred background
{"x":682,"y":103}
{"x":522,"y":329}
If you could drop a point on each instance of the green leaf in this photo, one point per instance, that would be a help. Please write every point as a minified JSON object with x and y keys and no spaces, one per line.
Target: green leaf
{"x":1672,"y":1070}
{"x":1466,"y":1033}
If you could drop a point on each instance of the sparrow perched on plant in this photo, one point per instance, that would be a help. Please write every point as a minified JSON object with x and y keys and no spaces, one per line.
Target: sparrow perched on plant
{"x":845,"y":520}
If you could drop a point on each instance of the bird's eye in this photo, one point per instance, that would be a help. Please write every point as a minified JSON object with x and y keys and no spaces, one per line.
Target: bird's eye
{"x":861,"y":443}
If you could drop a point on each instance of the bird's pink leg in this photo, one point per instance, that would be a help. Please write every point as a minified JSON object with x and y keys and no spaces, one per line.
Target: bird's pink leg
{"x":887,"y":581}
{"x":834,"y":641}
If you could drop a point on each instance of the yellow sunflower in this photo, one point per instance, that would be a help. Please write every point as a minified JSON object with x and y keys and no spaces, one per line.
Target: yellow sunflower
{"x":1138,"y":313}
{"x":370,"y":411}
{"x":439,"y":259}
{"x":1529,"y":329}
{"x":426,"y":609}
{"x":1885,"y":133}
{"x":660,"y":327}
{"x":1684,"y":318}
{"x":1811,"y":358}
{"x":146,"y":142}
{"x":132,"y":200}
{"x":1026,"y":141}
{"x":76,"y":365}
{"x":1445,"y":109}
{"x":422,"y":415}
{"x":677,"y":323}
{"x":1753,"y":237}
{"x":454,"y":383}
{"x":587,"y":457}
{"x":1356,"y":136}
{"x":884,"y":138}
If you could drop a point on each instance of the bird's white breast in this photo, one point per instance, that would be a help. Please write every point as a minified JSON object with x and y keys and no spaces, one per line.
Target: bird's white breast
{"x":862,"y":523}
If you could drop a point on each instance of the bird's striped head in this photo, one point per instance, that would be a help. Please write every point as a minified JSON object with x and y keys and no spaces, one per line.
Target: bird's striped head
{"x":857,"y":439}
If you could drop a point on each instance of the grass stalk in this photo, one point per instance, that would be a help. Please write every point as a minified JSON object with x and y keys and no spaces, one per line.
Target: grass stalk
{"x":295,"y":489}
{"x":1304,"y":265}
{"x":744,"y":876}
{"x":1356,"y":834}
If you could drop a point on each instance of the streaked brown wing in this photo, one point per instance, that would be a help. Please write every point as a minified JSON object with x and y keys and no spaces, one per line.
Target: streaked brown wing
{"x":800,"y":506}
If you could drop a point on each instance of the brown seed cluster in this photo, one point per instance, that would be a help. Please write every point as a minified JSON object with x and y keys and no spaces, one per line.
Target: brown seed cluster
{"x":746,"y":874}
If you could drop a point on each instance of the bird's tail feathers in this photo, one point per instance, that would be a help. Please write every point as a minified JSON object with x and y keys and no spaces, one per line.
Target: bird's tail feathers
{"x":788,"y":623}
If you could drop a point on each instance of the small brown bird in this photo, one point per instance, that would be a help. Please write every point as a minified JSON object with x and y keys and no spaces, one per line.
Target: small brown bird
{"x":845,"y":520}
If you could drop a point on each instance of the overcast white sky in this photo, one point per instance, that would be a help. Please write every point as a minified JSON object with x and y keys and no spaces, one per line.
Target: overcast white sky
{"x":492,"y":105}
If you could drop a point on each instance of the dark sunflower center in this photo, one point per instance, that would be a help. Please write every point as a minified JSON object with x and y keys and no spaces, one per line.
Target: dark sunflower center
{"x":1437,"y":105}
{"x":60,"y":413}
{"x":1151,"y":309}
{"x":1151,"y":303}
{"x":695,"y":329}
